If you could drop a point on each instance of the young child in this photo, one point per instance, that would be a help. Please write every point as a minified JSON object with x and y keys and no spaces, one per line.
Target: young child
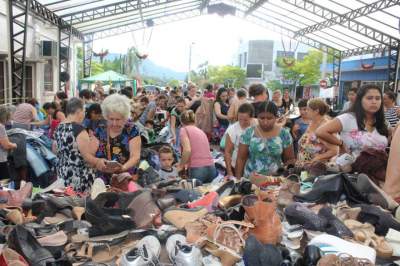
{"x":167,"y":170}
{"x":5,"y":144}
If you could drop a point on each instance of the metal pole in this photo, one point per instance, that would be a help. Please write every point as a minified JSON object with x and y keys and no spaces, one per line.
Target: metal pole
{"x":190,"y":60}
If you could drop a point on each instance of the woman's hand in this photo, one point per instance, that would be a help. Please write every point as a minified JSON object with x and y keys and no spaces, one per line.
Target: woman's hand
{"x":101,"y":165}
{"x":343,"y":149}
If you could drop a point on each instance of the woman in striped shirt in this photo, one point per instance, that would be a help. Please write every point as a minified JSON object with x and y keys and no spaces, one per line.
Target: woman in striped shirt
{"x":392,"y":111}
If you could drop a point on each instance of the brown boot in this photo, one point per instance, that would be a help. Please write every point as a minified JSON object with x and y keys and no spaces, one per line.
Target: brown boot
{"x":267,"y":223}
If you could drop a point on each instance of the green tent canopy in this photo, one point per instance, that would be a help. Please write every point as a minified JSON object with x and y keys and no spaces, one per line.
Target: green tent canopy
{"x":107,"y":76}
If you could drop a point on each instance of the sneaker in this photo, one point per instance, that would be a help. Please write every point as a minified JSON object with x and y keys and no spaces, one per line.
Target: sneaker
{"x":182,"y":254}
{"x":145,"y":253}
{"x":209,"y":201}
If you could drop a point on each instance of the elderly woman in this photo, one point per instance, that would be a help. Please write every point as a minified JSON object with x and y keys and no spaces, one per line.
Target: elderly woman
{"x":119,"y":140}
{"x":72,"y":145}
{"x":195,"y":150}
{"x":392,"y":111}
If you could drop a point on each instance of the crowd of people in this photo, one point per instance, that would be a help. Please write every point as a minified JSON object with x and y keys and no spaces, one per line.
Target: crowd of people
{"x":208,"y":136}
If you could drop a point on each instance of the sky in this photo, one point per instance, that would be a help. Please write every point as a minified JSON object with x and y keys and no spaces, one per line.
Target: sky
{"x":215,"y":39}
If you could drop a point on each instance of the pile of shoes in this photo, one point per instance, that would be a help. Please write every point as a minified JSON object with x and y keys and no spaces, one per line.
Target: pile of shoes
{"x":338,"y":219}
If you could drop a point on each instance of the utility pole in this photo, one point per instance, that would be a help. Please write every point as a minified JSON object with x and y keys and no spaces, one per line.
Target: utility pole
{"x":190,"y":60}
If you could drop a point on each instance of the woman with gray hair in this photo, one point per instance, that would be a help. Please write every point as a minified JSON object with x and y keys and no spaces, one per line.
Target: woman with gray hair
{"x":76,"y":161}
{"x":119,"y":141}
{"x":5,"y":144}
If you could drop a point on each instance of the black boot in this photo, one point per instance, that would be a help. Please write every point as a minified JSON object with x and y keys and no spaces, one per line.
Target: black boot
{"x":22,"y":241}
{"x":325,"y":189}
{"x":335,"y":226}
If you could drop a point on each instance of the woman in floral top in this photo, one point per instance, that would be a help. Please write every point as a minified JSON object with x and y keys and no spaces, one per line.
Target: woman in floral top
{"x":311,"y":148}
{"x":263,"y":147}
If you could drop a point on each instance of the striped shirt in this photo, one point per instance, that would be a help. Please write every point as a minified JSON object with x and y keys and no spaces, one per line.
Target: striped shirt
{"x":391,"y":116}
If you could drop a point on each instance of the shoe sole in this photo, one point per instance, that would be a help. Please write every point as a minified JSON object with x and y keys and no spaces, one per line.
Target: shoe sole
{"x":180,"y":217}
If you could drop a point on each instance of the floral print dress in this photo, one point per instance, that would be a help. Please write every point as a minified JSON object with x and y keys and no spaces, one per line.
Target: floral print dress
{"x":265,"y":154}
{"x":309,"y":147}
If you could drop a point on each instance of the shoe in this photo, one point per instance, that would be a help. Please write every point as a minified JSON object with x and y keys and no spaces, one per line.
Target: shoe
{"x":178,"y":217}
{"x":23,"y":242}
{"x":262,"y":213}
{"x":9,"y":257}
{"x":166,"y":202}
{"x":226,"y":188}
{"x":58,"y":184}
{"x":143,"y":210}
{"x":257,"y":254}
{"x":342,"y":259}
{"x":103,"y":224}
{"x":287,"y":191}
{"x":374,"y":193}
{"x":325,"y":189}
{"x":229,"y":201}
{"x":382,"y":220}
{"x":182,"y":254}
{"x":98,"y":187}
{"x":297,"y":213}
{"x":17,"y":197}
{"x":312,"y":254}
{"x":145,"y":253}
{"x":243,"y":187}
{"x":209,"y":201}
{"x":334,"y":245}
{"x":344,"y":212}
{"x":334,"y":225}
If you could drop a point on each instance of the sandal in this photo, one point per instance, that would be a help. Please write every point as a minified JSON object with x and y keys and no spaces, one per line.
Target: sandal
{"x":365,"y":234}
{"x":226,"y":257}
{"x":99,"y":252}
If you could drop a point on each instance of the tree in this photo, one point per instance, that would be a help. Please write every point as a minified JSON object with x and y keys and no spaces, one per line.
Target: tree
{"x":309,"y":67}
{"x":230,"y":76}
{"x":274,"y":85}
{"x":96,"y":68}
{"x":173,"y":83}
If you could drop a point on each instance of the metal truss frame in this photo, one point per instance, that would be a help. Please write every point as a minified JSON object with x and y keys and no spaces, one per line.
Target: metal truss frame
{"x":18,"y":19}
{"x":204,"y":5}
{"x":139,"y":18}
{"x":393,"y":67}
{"x":64,"y":44}
{"x":378,"y":48}
{"x":352,"y":25}
{"x":87,"y":55}
{"x":255,"y":6}
{"x":349,"y":16}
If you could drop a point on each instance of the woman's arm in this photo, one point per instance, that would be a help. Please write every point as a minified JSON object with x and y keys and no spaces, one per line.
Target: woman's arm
{"x":392,"y":180}
{"x":331,"y":151}
{"x":42,"y":123}
{"x":217,"y":110}
{"x":186,"y":152}
{"x":327,"y":132}
{"x":83,"y":142}
{"x":229,"y":147}
{"x":288,"y":155}
{"x":6,"y":144}
{"x":243,"y":155}
{"x":134,"y":153}
{"x":231,"y":111}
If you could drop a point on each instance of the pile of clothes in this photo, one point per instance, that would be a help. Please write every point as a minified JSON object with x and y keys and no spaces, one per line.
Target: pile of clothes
{"x":336,"y":219}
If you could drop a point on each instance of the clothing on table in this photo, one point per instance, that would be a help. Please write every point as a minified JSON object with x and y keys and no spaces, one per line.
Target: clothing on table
{"x":357,"y":140}
{"x":71,"y":166}
{"x":168,"y":174}
{"x":151,"y":106}
{"x":24,"y":114}
{"x":391,"y":116}
{"x":309,"y":146}
{"x":200,"y":148}
{"x":3,"y":152}
{"x":265,"y":154}
{"x":234,"y":132}
{"x":119,"y":145}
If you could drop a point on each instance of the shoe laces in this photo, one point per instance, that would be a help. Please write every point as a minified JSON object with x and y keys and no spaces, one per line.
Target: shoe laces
{"x":143,"y":252}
